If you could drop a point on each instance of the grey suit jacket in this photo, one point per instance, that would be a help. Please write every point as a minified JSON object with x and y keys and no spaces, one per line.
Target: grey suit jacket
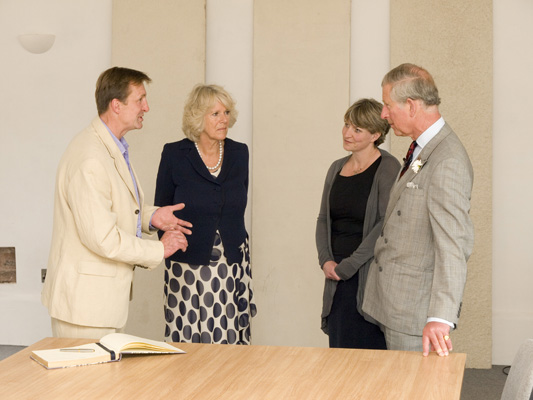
{"x":419,"y":266}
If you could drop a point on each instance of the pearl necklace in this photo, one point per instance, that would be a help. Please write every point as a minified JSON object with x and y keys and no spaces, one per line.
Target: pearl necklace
{"x":220,"y":152}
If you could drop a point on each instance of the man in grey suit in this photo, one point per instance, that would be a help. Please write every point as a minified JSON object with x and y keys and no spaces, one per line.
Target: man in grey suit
{"x":416,"y":280}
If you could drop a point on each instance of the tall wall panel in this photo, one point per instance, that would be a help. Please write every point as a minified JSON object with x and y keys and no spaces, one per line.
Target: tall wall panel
{"x":300,"y":94}
{"x":167,"y":41}
{"x":453,"y":40}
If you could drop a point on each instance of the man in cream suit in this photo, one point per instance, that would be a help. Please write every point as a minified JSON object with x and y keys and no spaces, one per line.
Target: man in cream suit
{"x":99,"y":217}
{"x":416,"y":280}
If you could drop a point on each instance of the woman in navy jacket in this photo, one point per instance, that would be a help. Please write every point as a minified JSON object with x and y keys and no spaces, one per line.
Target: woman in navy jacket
{"x":208,"y":288}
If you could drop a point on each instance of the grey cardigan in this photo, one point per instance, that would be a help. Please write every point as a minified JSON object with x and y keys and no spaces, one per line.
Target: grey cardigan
{"x":361,"y":258}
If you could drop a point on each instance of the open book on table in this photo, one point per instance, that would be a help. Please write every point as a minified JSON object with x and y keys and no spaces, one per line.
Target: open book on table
{"x":110,"y":348}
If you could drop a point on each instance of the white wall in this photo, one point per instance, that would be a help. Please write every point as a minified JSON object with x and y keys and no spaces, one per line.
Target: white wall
{"x":46,"y":99}
{"x":369,"y":48}
{"x":368,"y":43}
{"x":512,"y":190}
{"x":229,"y":45}
{"x":229,"y":57}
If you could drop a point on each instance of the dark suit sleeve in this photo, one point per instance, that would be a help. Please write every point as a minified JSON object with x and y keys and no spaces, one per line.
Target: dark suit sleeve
{"x":164,"y":189}
{"x":247,"y":162}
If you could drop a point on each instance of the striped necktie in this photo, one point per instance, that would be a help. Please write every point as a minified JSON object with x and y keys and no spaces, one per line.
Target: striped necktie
{"x":408,"y":158}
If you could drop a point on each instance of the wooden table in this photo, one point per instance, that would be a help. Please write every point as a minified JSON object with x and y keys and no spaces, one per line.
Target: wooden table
{"x":238,"y":372}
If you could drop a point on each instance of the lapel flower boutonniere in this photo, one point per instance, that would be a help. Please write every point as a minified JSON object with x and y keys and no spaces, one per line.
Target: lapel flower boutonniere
{"x":417,"y":165}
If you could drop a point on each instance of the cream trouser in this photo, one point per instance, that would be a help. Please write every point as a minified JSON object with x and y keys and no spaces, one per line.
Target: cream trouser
{"x":67,"y":330}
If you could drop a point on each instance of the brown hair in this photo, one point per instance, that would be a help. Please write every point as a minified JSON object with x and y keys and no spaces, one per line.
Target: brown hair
{"x":114,"y":83}
{"x":366,"y":114}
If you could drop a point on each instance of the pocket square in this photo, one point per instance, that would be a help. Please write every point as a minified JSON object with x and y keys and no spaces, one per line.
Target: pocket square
{"x":411,"y":185}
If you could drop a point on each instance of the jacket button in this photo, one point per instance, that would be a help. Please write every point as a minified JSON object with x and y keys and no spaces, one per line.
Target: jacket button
{"x":380,"y":269}
{"x":399,"y":212}
{"x":137,"y":211}
{"x":386,"y":240}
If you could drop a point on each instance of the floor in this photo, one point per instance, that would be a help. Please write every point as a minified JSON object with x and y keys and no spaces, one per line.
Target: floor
{"x":484,"y":384}
{"x":6,"y":351}
{"x":478,"y":384}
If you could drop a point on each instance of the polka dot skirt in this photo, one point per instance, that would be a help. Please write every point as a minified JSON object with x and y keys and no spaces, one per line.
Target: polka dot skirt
{"x":210,"y":303}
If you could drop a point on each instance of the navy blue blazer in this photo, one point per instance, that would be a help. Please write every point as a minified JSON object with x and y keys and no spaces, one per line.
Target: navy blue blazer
{"x":211,"y":203}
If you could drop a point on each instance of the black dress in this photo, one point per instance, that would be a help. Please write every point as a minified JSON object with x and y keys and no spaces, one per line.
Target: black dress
{"x":348,"y":198}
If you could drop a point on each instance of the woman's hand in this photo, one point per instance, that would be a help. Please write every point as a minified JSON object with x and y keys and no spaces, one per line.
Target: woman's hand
{"x":329,"y":270}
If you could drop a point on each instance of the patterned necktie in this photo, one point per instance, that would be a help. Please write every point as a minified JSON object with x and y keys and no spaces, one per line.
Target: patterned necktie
{"x":408,"y":158}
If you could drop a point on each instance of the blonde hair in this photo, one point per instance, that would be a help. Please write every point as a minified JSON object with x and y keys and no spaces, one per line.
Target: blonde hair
{"x":201,"y":99}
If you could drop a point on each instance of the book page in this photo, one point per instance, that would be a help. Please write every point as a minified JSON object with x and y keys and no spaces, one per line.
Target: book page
{"x":129,"y":344}
{"x":72,"y":356}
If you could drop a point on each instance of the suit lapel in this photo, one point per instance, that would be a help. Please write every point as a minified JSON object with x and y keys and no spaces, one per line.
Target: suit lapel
{"x":197,"y":162}
{"x":410,"y":174}
{"x":201,"y":169}
{"x":116,"y":155}
{"x":229,"y":160}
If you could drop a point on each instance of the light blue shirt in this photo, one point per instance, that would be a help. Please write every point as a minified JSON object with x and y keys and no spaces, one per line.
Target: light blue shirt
{"x":123,"y":147}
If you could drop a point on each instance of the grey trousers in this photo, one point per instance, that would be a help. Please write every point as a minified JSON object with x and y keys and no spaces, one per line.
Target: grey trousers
{"x":401,"y":341}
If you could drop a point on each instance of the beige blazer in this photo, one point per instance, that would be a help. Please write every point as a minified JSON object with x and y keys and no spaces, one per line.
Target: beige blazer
{"x":94,"y":245}
{"x":419,"y":266}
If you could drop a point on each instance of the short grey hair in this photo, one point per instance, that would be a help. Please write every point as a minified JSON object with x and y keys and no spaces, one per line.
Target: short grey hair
{"x":409,"y":81}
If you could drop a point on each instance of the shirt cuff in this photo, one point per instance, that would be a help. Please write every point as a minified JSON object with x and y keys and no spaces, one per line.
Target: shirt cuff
{"x":432,"y":319}
{"x":150,"y":226}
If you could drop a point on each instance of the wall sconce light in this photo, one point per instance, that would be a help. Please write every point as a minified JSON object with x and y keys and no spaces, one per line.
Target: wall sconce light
{"x":37,"y":43}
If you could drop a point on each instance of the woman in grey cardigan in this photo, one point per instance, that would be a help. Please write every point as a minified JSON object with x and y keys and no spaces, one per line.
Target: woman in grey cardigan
{"x":354,"y":200}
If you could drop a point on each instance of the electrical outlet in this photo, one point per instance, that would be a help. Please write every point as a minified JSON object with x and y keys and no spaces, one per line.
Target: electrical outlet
{"x":43,"y":274}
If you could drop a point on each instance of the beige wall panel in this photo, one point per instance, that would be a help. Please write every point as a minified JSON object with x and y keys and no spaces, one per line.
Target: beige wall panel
{"x":453,"y":40}
{"x":300,"y":94}
{"x":167,"y":41}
